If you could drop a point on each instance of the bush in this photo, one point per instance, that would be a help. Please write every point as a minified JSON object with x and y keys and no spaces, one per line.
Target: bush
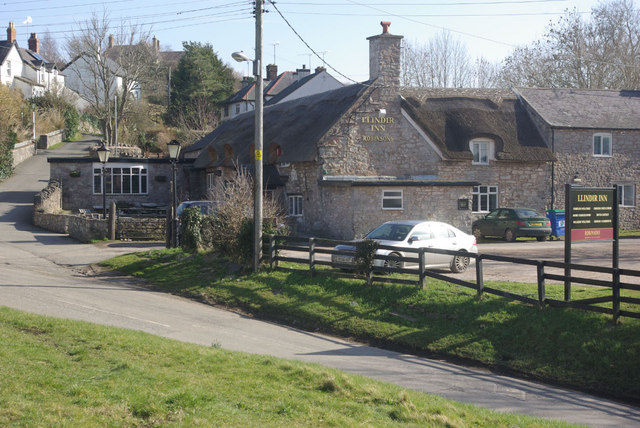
{"x":191,"y":222}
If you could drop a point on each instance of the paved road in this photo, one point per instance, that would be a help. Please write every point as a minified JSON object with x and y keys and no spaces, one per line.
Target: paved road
{"x":48,"y":273}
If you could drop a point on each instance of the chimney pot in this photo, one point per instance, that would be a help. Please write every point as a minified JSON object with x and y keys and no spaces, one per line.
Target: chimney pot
{"x":385,"y":26}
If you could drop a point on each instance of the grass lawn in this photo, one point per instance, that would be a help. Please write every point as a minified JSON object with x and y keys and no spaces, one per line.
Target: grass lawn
{"x":69,"y":373}
{"x":565,"y":346}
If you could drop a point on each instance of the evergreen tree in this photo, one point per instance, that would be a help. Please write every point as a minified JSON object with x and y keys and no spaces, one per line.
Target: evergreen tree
{"x":199,"y":85}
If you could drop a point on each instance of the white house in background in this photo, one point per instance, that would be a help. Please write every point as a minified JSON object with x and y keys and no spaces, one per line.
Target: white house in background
{"x":25,"y":69}
{"x":285,"y":86}
{"x":82,"y":73}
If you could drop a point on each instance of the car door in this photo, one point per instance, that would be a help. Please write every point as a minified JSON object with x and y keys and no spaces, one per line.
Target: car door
{"x":489,"y":225}
{"x":504,"y":221}
{"x":442,"y":241}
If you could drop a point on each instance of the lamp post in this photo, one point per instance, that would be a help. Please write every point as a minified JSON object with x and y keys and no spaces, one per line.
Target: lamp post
{"x":257,"y":203}
{"x":174,"y":152}
{"x":103,"y":155}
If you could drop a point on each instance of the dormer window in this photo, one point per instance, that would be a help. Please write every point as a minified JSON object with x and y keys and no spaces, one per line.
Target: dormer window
{"x":482,"y":150}
{"x":602,"y":144}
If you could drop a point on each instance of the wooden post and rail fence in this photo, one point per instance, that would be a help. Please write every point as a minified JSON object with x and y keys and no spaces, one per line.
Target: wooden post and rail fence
{"x":312,"y":247}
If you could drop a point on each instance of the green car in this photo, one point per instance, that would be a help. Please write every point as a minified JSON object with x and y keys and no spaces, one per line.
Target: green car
{"x":512,"y":223}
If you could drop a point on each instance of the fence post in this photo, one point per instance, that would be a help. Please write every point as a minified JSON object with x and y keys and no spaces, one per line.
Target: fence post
{"x":312,"y":256}
{"x":421,"y":264}
{"x":541,"y":285}
{"x":479,"y":275}
{"x":272,"y":244}
{"x":616,"y":295}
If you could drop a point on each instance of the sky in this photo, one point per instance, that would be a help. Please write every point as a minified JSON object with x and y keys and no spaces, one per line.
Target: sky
{"x":336,"y":30}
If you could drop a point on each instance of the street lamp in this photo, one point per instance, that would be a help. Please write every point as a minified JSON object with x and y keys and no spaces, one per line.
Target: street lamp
{"x":174,"y":151}
{"x":259,"y":112}
{"x":103,"y":156}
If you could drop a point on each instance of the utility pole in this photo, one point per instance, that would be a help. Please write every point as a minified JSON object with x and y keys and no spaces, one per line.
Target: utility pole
{"x":257,"y":206}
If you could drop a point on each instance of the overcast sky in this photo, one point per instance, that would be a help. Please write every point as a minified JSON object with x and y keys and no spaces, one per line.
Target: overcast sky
{"x":335,"y":29}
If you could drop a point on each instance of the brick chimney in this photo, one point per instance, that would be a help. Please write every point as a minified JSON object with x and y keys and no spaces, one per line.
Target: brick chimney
{"x":11,"y":33}
{"x":272,"y":72}
{"x":384,"y":56}
{"x":320,"y":69}
{"x":34,"y":43}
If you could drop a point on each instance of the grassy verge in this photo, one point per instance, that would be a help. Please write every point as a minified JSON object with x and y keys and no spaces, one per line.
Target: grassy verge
{"x":565,"y":346}
{"x":68,"y":373}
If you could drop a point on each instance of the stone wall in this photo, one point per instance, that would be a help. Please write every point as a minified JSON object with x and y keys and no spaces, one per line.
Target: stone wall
{"x":52,"y":138}
{"x":574,"y":150}
{"x":141,"y":228}
{"x":82,"y":228}
{"x":49,"y":199}
{"x":23,"y":151}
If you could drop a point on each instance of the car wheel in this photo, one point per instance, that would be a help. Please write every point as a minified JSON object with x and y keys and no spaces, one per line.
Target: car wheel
{"x":459,"y":264}
{"x":510,"y":235}
{"x":477,"y":233}
{"x":541,"y":238}
{"x":395,"y":264}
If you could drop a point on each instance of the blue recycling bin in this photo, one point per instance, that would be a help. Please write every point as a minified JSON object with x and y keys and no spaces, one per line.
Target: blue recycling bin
{"x":557,"y":222}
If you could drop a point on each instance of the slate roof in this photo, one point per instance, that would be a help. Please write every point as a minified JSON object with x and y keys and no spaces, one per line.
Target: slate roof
{"x":5,"y":48}
{"x":290,"y":89}
{"x":296,"y":126}
{"x":585,"y":108}
{"x":451,"y":118}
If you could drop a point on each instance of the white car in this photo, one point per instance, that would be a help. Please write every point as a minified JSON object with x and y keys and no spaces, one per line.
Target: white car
{"x":415,"y":234}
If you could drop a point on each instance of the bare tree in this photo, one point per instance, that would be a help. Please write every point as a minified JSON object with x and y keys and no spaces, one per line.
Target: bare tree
{"x":49,"y":49}
{"x":109,"y":66}
{"x":443,"y":62}
{"x":574,"y":53}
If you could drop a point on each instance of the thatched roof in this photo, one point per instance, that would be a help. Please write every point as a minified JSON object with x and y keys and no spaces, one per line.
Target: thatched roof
{"x":295,"y":126}
{"x":452,"y":118}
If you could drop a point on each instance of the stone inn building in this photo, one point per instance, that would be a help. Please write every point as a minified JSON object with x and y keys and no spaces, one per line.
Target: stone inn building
{"x":346,"y":160}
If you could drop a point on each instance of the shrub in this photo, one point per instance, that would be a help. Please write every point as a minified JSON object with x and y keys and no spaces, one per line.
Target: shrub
{"x":191,"y":222}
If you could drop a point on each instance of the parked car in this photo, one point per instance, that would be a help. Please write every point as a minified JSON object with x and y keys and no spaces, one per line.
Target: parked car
{"x":511,"y":223}
{"x":206,"y":207}
{"x":415,"y":234}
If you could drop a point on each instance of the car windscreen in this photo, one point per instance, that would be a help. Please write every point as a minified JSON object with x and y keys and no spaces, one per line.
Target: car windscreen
{"x":527,"y":213}
{"x":390,"y":232}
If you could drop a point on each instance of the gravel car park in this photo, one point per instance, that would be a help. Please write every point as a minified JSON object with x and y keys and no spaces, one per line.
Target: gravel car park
{"x":414,"y":234}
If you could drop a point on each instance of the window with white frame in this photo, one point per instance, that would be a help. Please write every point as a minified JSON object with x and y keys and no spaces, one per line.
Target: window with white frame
{"x":121,"y":179}
{"x":602,"y":144}
{"x":485,"y":199}
{"x":626,"y":195}
{"x":237,"y":108}
{"x":482,"y":150}
{"x":295,"y":205}
{"x":210,"y":180}
{"x":392,"y":200}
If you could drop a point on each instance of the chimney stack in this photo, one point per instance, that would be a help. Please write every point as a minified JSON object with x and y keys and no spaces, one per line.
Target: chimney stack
{"x":156,"y":44}
{"x":11,"y":33}
{"x":34,"y":43}
{"x":303,"y":72}
{"x":320,"y":69}
{"x":111,"y":41}
{"x":272,"y":72}
{"x":384,"y":56}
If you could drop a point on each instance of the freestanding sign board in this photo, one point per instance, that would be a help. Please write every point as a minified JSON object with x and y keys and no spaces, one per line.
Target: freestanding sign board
{"x":591,"y":214}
